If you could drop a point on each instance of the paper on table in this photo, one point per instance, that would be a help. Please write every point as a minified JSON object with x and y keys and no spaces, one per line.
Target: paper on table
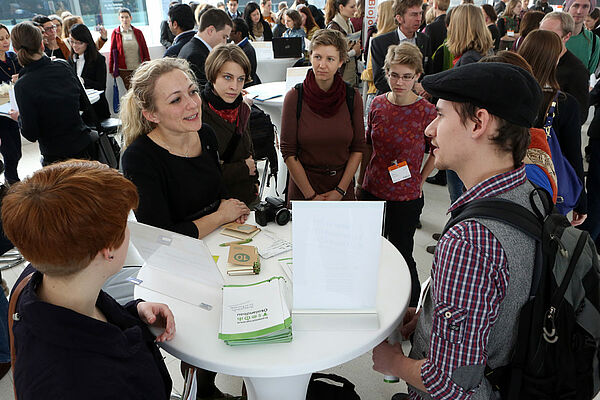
{"x":337,"y":246}
{"x":295,"y":75}
{"x":264,"y":50}
{"x":175,"y":253}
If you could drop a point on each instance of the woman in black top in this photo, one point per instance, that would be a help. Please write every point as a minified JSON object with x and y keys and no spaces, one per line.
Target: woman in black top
{"x":90,"y":67}
{"x":171,"y":155}
{"x":490,"y":16}
{"x":260,"y":30}
{"x":223,"y":108}
{"x":10,"y":138}
{"x":49,"y":97}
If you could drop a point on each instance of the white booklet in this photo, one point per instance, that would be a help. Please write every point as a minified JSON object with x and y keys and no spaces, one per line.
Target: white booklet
{"x":256,"y":313}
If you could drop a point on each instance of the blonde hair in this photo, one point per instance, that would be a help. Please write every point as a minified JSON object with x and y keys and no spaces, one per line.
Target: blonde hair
{"x":429,"y":15}
{"x":140,"y":96}
{"x":468,"y":31}
{"x":404,"y":54}
{"x":222,"y":54}
{"x":69,"y":22}
{"x":510,"y":6}
{"x":385,"y":18}
{"x":27,"y":42}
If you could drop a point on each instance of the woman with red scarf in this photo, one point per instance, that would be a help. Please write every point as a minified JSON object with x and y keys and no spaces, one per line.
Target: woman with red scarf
{"x":323,"y":147}
{"x":227,"y":69}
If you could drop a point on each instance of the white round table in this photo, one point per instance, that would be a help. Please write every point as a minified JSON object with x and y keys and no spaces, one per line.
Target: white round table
{"x":279,"y":370}
{"x":273,"y":69}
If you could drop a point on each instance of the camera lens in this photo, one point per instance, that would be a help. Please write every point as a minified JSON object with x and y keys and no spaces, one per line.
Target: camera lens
{"x":283,"y":216}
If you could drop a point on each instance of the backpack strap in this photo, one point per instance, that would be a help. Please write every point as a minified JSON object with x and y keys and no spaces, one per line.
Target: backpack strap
{"x":350,"y":101}
{"x":12,"y":316}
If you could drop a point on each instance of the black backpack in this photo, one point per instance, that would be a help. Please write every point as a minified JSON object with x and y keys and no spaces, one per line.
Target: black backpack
{"x":262,"y":132}
{"x":340,"y":388}
{"x":556,"y":355}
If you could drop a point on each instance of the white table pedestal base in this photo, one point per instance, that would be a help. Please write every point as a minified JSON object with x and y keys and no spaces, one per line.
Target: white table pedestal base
{"x":287,"y":387}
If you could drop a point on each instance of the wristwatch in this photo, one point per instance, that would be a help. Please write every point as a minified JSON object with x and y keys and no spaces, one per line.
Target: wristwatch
{"x":340,"y":191}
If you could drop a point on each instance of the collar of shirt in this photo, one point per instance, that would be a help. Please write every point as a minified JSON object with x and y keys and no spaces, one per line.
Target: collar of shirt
{"x":80,"y":62}
{"x":243,"y":42}
{"x":182,"y":33}
{"x":402,"y":37}
{"x":493,"y":186}
{"x":204,"y":41}
{"x":125,"y":31}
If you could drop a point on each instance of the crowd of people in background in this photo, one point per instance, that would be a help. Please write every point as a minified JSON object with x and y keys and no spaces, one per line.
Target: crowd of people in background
{"x":188,"y":156}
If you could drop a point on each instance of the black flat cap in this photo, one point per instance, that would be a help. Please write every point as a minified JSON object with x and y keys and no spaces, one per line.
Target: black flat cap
{"x":504,"y":90}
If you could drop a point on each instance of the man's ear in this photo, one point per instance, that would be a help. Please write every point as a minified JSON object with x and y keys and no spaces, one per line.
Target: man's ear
{"x":483,"y":122}
{"x":150,"y":116}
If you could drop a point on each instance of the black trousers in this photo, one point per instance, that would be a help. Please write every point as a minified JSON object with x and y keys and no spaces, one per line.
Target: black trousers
{"x":10,"y":148}
{"x":88,"y":153}
{"x":400,"y":224}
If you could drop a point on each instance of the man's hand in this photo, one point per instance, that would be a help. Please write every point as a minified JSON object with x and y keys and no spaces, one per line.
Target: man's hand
{"x":158,"y":315}
{"x":14,"y":115}
{"x":386,"y":357}
{"x":409,"y":322}
{"x":578,"y":218}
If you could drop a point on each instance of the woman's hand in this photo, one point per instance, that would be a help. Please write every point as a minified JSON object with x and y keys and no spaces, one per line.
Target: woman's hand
{"x":158,"y":315}
{"x":332,"y":195}
{"x":233,"y":210}
{"x":103,"y":33}
{"x":251,"y":164}
{"x":14,"y":115}
{"x":14,"y":78}
{"x":356,"y":47}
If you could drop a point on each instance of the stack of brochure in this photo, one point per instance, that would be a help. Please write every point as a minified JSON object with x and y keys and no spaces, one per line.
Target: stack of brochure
{"x":256,"y":313}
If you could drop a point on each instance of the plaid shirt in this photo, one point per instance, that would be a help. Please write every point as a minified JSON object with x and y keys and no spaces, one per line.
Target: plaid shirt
{"x":469,"y":281}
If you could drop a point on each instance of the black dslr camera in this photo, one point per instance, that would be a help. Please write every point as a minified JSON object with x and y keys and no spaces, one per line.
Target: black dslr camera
{"x":273,"y":209}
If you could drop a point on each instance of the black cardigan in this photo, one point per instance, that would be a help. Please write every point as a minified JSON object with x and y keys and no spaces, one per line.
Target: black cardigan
{"x":50,"y":96}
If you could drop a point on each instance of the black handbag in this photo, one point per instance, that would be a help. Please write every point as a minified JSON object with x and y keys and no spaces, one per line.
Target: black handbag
{"x":339,"y":388}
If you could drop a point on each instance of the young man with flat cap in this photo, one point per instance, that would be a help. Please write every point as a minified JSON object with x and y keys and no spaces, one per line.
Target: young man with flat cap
{"x":481,"y":272}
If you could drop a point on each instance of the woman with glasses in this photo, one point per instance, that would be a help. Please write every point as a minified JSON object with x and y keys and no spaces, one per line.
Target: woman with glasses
{"x":49,"y":97}
{"x":396,"y":140}
{"x":54,"y":47}
{"x":90,"y":67}
{"x":10,"y":137}
{"x":227,"y":69}
{"x":128,"y":48}
{"x":324,"y":146}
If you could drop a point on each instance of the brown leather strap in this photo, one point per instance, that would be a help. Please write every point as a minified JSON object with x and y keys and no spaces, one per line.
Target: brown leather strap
{"x":12,"y":306}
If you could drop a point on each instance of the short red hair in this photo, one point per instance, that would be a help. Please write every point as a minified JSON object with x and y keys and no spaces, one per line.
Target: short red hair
{"x":63,"y":215}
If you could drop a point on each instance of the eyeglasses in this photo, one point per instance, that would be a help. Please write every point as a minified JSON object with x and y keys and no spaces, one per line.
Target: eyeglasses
{"x":50,"y":28}
{"x":406,"y":77}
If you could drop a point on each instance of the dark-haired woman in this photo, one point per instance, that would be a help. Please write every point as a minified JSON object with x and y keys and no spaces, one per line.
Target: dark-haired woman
{"x":90,"y":67}
{"x":324,"y":146}
{"x":337,"y":17}
{"x":293,"y":22}
{"x":260,"y":30}
{"x":49,"y":97}
{"x":308,"y":22}
{"x":223,"y":108}
{"x":10,"y":138}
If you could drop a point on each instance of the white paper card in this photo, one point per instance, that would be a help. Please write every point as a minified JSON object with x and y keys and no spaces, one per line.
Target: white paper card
{"x":337,"y":247}
{"x":174,"y":253}
{"x":295,"y":75}
{"x":399,"y":172}
{"x":264,"y":50}
{"x":13,"y":98}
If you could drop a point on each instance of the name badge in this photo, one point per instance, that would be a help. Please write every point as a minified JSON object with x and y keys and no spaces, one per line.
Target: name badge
{"x":399,"y":172}
{"x":510,"y":33}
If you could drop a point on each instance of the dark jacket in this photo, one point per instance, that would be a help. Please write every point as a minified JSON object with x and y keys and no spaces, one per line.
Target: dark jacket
{"x":94,"y":77}
{"x":437,"y":31}
{"x":468,"y":57}
{"x":278,"y":30}
{"x":178,"y":43}
{"x":267,"y":33}
{"x":573,"y":78}
{"x":317,"y":15}
{"x":543,"y":7}
{"x":379,"y":47}
{"x":246,"y":46}
{"x":594,"y":129}
{"x":495,"y":36}
{"x":62,"y":354}
{"x":196,"y":53}
{"x":499,"y":7}
{"x":166,"y":36}
{"x":50,"y":96}
{"x":236,"y":176}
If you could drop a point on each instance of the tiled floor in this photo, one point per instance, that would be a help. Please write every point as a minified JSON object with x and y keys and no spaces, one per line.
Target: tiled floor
{"x":369,"y":384}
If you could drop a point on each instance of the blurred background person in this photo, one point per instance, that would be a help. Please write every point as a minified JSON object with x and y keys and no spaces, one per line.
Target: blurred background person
{"x":337,"y":17}
{"x":489,"y":14}
{"x":509,"y":19}
{"x":53,"y":45}
{"x":293,"y":22}
{"x":232,"y":9}
{"x":90,"y":67}
{"x":266,"y":9}
{"x":181,"y":23}
{"x":59,"y":24}
{"x":530,"y":21}
{"x":10,"y":137}
{"x":128,"y":48}
{"x":308,"y":22}
{"x":279,"y":27}
{"x":240,"y":36}
{"x":260,"y":30}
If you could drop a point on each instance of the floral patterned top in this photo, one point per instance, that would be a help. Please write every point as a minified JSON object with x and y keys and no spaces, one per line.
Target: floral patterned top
{"x":396,"y":134}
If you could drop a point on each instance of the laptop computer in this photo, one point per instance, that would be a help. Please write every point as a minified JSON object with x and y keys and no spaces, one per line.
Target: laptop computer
{"x":287,"y":47}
